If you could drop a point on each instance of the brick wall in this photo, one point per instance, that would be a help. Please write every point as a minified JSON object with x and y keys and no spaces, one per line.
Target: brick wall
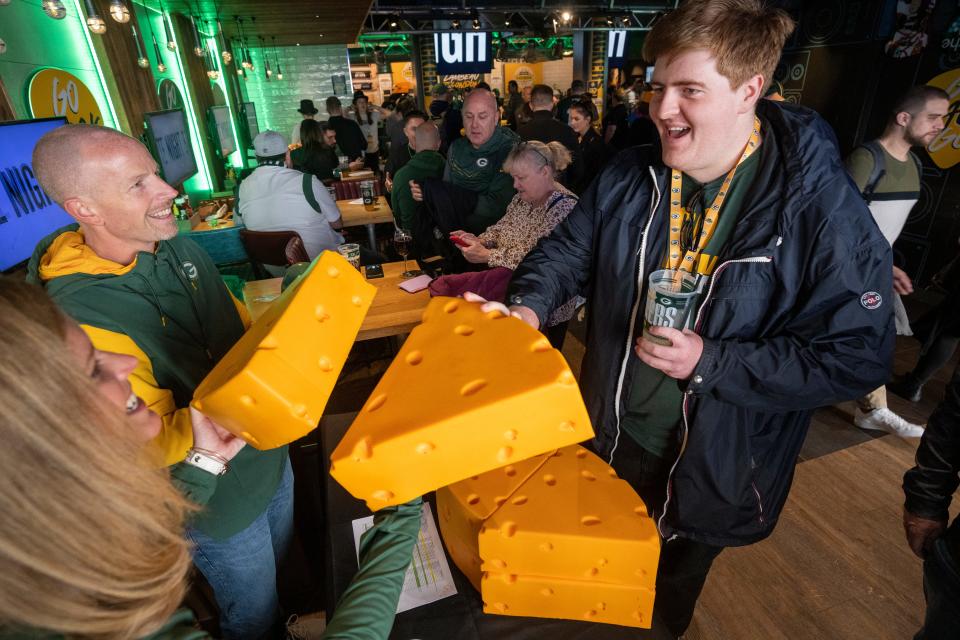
{"x":307,"y":73}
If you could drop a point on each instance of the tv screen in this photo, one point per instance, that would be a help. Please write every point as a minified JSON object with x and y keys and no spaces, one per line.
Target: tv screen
{"x":250,"y":113}
{"x":170,"y":144}
{"x":27,"y":213}
{"x":222,"y":130}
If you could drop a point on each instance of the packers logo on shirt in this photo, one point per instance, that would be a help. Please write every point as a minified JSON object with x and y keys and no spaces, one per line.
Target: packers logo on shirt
{"x":190,"y":271}
{"x":482,"y":162}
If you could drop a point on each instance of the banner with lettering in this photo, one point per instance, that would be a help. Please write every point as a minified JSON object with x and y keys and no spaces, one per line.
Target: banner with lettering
{"x":27,"y":213}
{"x":459,"y":53}
{"x":616,"y":47}
{"x":55,"y":93}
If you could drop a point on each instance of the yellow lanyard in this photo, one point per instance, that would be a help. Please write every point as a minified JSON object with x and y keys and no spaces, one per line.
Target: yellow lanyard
{"x":712,"y":214}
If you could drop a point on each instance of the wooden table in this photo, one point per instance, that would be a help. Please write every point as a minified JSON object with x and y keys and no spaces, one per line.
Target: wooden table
{"x":205,"y":226}
{"x":354,"y":215}
{"x":393,"y":311}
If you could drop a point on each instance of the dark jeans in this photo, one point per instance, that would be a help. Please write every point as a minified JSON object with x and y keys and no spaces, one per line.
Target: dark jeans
{"x":941,"y":587}
{"x":243,"y":569}
{"x":684,"y":563}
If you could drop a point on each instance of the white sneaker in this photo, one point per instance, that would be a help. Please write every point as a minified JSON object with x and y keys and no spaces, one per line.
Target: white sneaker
{"x":886,"y":420}
{"x":307,"y":627}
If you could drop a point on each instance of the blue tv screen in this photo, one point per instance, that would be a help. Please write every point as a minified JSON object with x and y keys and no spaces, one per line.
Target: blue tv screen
{"x":27,"y":213}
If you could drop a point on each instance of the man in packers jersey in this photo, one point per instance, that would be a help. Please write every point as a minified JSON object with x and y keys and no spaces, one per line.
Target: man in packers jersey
{"x":749,"y":197}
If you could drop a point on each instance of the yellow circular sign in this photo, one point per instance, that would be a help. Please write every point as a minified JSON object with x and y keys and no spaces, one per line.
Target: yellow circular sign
{"x":54,"y":93}
{"x":945,"y":148}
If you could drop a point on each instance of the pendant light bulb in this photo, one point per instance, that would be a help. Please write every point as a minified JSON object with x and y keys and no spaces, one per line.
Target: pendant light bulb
{"x":119,"y":11}
{"x":54,"y":9}
{"x":94,"y":22}
{"x":142,"y":62}
{"x":96,"y":25}
{"x":279,"y":74}
{"x":171,"y":43}
{"x":226,"y":56}
{"x":161,"y":68}
{"x":213,"y":74}
{"x":198,"y":51}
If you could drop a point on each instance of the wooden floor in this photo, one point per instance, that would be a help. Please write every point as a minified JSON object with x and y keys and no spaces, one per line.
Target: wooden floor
{"x":837,"y":565}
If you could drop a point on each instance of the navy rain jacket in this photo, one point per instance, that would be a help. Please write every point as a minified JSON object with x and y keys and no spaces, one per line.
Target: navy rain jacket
{"x":797,"y":316}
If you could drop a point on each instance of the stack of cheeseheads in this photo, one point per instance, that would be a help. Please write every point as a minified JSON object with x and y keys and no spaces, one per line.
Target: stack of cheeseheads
{"x":476,"y":406}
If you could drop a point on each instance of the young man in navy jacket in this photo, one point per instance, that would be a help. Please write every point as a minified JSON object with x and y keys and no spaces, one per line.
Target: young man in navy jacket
{"x":751,"y":198}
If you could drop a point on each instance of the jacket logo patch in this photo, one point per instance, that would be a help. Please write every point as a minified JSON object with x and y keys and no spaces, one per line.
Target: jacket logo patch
{"x":189,"y":270}
{"x":482,"y":162}
{"x":871,"y":300}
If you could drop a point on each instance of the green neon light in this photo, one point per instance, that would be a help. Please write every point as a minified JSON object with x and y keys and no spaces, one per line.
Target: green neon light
{"x":96,"y":64}
{"x":207,"y":179}
{"x":236,"y":158}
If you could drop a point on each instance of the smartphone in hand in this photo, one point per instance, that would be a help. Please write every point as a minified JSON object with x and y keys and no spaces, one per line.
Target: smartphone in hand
{"x":460,"y":242}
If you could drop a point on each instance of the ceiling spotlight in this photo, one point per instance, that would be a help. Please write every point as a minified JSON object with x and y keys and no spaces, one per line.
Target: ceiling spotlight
{"x":625,"y":20}
{"x":394,"y":23}
{"x":454,"y":24}
{"x":476,"y":24}
{"x":609,"y":21}
{"x":566,"y":17}
{"x":506,"y":20}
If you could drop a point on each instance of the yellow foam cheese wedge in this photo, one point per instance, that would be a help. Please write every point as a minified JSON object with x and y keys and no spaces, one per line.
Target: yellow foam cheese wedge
{"x":574,"y":519}
{"x":468,"y":392}
{"x":465,"y":505}
{"x":551,"y":597}
{"x":272,"y":386}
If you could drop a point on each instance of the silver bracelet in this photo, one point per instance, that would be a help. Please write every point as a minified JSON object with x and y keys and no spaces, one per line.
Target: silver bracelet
{"x":209,"y":461}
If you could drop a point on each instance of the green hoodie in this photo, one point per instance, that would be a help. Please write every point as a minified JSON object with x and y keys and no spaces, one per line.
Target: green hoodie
{"x":426,"y":164}
{"x":171,"y":311}
{"x":480,"y":170}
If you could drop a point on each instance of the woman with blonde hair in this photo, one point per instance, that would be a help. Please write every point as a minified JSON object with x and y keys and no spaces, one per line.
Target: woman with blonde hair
{"x":539,"y":205}
{"x":92,"y":530}
{"x":91,"y":536}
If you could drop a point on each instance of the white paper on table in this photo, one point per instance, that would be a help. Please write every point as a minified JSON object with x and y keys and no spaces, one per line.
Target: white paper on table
{"x":428,"y":577}
{"x":357,"y":201}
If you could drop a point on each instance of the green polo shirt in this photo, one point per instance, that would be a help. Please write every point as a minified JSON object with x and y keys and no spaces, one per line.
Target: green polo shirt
{"x":654,"y":401}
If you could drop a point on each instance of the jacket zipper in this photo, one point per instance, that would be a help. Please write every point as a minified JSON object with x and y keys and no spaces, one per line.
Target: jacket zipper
{"x":686,"y":396}
{"x":193,"y":303}
{"x":633,"y":314}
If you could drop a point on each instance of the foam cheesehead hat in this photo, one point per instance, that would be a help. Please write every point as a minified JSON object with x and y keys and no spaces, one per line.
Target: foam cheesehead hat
{"x":268,"y":144}
{"x":307,"y":108}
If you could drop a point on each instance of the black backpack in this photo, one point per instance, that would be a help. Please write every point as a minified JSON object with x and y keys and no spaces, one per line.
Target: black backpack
{"x":880,"y":168}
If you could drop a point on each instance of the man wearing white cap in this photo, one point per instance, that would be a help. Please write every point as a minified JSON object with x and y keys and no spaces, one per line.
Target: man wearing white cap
{"x":277,"y":198}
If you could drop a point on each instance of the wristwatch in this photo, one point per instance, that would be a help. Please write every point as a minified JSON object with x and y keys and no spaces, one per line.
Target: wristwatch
{"x":204,"y":460}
